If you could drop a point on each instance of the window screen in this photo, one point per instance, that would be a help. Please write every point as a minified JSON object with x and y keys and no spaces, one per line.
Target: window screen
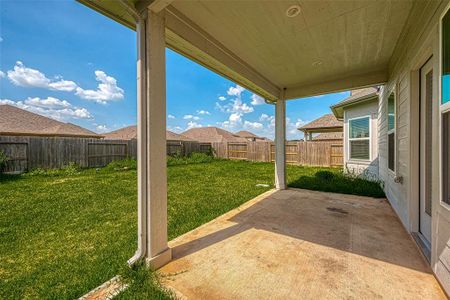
{"x":391,"y":151}
{"x":359,"y":149}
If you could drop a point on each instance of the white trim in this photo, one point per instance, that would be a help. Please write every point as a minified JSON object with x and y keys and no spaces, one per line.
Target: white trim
{"x":394,"y":91}
{"x":349,"y":139}
{"x":443,"y":108}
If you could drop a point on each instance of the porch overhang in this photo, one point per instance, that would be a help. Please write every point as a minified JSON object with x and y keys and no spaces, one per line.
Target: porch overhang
{"x":330,"y":46}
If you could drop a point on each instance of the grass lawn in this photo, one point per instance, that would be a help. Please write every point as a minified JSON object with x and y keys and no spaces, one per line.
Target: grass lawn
{"x":62,"y":235}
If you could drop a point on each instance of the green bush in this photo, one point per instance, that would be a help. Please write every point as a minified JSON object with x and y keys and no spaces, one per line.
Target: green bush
{"x":194,"y":158}
{"x":325,"y":175}
{"x":3,"y":160}
{"x":338,"y":182}
{"x":71,"y":169}
{"x":122,"y":165}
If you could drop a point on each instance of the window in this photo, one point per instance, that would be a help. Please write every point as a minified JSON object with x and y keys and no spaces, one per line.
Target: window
{"x":359,"y":138}
{"x":446,"y":58}
{"x":445,"y":107}
{"x":391,"y":131}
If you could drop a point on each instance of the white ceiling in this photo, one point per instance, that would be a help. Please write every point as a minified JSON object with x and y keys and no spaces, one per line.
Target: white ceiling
{"x":329,"y":46}
{"x":328,"y":39}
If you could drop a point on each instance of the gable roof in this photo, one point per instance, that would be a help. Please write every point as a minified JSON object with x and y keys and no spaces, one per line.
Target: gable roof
{"x":327,"y":136}
{"x":130,"y":133}
{"x":212,"y":134}
{"x":324,"y":123}
{"x":356,"y":97}
{"x":245,"y":133}
{"x":17,"y":121}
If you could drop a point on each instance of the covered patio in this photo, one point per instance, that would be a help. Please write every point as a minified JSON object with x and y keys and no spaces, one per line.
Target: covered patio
{"x":294,"y":244}
{"x":298,"y":241}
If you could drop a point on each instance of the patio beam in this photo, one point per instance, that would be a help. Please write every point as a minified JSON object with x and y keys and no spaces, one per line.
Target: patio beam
{"x":344,"y":83}
{"x":152,"y":169}
{"x":280,"y":143}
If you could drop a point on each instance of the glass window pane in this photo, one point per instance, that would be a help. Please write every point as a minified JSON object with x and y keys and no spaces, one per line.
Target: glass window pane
{"x":446,"y":58}
{"x":359,"y":128}
{"x":359,"y":149}
{"x":391,"y":151}
{"x":446,"y":158}
{"x":391,"y":112}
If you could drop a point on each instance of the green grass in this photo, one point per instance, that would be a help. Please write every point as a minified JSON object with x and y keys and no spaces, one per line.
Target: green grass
{"x":63,"y":233}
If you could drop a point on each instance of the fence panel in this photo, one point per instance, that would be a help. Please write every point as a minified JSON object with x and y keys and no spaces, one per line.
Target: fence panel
{"x":336,"y":155}
{"x":174,"y":148}
{"x":237,"y":150}
{"x":102,"y":153}
{"x":17,"y":153}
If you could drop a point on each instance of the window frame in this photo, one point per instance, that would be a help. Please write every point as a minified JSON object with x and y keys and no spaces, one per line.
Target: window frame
{"x":357,"y":160}
{"x":444,"y":108}
{"x":393,"y":130}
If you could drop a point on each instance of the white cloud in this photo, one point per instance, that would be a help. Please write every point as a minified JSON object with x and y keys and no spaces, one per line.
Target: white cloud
{"x":265,"y":117}
{"x":176,"y":129}
{"x":63,"y":85}
{"x":191,"y":117}
{"x":235,"y":91}
{"x":222,"y":98}
{"x":102,"y":128}
{"x":192,"y":124}
{"x":257,"y":100}
{"x":2,"y":74}
{"x":51,"y":107}
{"x":170,"y":116}
{"x":203,"y":112}
{"x":1,"y":39}
{"x":107,"y":90}
{"x":253,"y":125}
{"x":27,"y":77}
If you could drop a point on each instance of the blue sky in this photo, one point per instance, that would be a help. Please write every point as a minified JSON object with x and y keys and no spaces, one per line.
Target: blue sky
{"x":63,"y":60}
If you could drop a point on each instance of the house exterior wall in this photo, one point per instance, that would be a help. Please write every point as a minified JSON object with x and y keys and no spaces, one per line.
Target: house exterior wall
{"x":367,"y":169}
{"x":415,"y":48}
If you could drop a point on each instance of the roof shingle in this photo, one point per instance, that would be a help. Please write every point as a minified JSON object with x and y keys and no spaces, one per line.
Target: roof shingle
{"x":17,"y":121}
{"x":327,"y":121}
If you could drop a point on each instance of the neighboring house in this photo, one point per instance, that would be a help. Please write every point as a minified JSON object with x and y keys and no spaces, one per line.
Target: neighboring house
{"x":325,"y":124}
{"x":130,"y":133}
{"x":212,"y":135}
{"x":15,"y":121}
{"x":329,"y":137}
{"x":359,"y":113}
{"x":251,"y":137}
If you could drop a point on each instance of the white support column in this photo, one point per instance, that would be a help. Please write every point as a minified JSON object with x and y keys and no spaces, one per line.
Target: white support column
{"x":280,"y":143}
{"x":152,"y":168}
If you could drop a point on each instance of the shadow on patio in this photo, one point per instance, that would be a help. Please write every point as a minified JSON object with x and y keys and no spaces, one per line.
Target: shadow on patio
{"x":292,"y":243}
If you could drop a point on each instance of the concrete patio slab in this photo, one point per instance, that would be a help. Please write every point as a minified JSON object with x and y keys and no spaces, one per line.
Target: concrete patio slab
{"x":299,"y":244}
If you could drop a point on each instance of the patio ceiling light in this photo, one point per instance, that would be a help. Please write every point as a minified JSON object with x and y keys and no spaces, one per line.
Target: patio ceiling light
{"x":293,"y":11}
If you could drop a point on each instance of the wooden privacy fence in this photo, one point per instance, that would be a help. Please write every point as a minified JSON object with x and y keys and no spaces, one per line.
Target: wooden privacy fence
{"x":26,"y":153}
{"x":30,"y":152}
{"x":316,"y":153}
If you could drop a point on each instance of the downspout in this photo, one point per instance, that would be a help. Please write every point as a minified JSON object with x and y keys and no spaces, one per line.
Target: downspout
{"x":141,"y":251}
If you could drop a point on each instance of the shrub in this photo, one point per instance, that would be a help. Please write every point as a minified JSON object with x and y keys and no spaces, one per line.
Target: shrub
{"x":325,"y":175}
{"x":194,"y":158}
{"x":3,"y":160}
{"x":122,"y":165}
{"x":71,"y":169}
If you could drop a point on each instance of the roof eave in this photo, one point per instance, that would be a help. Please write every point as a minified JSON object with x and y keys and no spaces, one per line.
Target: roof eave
{"x":338,"y":109}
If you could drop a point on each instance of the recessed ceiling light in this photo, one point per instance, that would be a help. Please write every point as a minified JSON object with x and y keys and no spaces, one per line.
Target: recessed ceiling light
{"x":293,"y":11}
